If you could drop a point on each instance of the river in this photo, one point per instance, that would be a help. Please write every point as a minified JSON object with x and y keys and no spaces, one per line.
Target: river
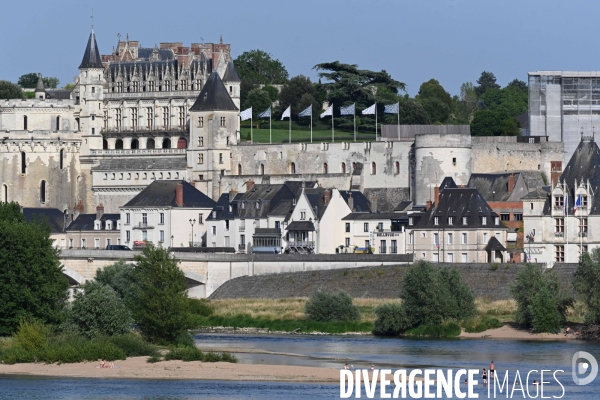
{"x":332,"y":352}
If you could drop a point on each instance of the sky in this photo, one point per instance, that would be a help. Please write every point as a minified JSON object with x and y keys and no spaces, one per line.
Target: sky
{"x":452,"y":41}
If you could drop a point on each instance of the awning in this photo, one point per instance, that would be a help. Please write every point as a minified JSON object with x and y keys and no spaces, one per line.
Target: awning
{"x":511,"y":237}
{"x":301,"y":226}
{"x":494,"y":245}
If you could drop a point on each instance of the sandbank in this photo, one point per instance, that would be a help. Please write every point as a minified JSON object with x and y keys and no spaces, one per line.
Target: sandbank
{"x":509,"y":332}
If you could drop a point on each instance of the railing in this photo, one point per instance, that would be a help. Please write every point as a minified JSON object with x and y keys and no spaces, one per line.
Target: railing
{"x":383,"y":250}
{"x":152,"y":94}
{"x":158,"y":130}
{"x":301,"y":243}
{"x":143,"y":225}
{"x":559,"y":234}
{"x":128,"y":152}
{"x":394,"y":250}
{"x":242,"y":229}
{"x":241,"y":247}
{"x":559,"y":207}
{"x":583,"y":234}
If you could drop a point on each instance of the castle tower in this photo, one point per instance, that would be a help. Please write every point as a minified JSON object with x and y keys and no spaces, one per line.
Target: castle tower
{"x":40,"y":89}
{"x":232,"y":83}
{"x":91,"y":84}
{"x":214,"y":124}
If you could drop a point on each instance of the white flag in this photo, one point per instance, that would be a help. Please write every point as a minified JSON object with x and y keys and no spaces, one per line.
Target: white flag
{"x":327,"y":112}
{"x":287,"y":113}
{"x":246,"y":114}
{"x":370,"y":110}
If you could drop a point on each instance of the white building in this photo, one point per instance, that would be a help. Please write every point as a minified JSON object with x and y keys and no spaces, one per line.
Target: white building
{"x":166,"y":213}
{"x":382,"y":233}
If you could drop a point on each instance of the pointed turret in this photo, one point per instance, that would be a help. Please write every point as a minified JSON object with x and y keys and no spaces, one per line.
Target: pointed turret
{"x":40,"y":88}
{"x":214,"y":96}
{"x":231,"y":74}
{"x":91,"y":57}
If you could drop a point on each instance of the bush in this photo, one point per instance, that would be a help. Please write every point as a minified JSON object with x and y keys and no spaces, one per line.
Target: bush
{"x":133,"y":345}
{"x":586,"y":282}
{"x":119,"y":276}
{"x":331,"y":306}
{"x":99,"y":311}
{"x":200,"y":307}
{"x":540,"y":298}
{"x":194,"y":354}
{"x":391,"y":320}
{"x":446,"y":329}
{"x":480,"y":324}
{"x":31,"y":336}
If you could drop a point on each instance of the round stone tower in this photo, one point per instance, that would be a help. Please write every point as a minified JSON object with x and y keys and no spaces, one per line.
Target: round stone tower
{"x":444,"y":152}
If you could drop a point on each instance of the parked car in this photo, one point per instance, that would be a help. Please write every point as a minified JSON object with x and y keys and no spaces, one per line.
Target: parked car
{"x":117,"y":247}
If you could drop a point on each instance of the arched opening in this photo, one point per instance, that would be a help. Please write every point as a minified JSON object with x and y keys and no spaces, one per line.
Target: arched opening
{"x":292,"y":168}
{"x":166,"y":143}
{"x":353,"y":167}
{"x":43,"y":192}
{"x":5,"y":193}
{"x":58,"y":123}
{"x":325,"y":168}
{"x":262,"y":169}
{"x":105,"y":144}
{"x":373,"y":168}
{"x":150,"y":143}
{"x":119,"y":144}
{"x":60,"y":158}
{"x":24,"y":122}
{"x":77,"y":123}
{"x":343,"y":168}
{"x":182,"y":143}
{"x":397,"y":171}
{"x":23,"y":163}
{"x":135,"y":144}
{"x":239,"y":169}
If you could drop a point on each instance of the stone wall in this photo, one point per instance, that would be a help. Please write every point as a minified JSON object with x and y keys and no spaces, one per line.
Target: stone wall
{"x":374,"y":282}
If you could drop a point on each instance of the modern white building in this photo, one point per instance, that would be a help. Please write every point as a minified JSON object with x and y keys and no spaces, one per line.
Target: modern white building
{"x":166,"y":213}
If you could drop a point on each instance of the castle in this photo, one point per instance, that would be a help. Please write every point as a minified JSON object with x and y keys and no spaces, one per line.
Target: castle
{"x":172,"y":113}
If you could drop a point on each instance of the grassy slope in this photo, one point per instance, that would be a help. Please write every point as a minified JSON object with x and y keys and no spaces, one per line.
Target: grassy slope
{"x":282,"y":135}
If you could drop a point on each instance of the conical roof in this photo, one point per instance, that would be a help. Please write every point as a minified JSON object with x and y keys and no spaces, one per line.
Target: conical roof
{"x":40,"y":87}
{"x":583,"y":165}
{"x":214,"y":96}
{"x":231,"y":74}
{"x":91,"y":57}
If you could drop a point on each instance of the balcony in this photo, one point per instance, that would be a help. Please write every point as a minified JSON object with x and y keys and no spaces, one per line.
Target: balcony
{"x":242,"y":229}
{"x":301,"y":247}
{"x":143,"y":225}
{"x":141,"y":152}
{"x":583,"y":234}
{"x":559,"y":234}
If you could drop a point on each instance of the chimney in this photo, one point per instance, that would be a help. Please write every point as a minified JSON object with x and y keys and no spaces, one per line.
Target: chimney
{"x":351,"y":202}
{"x":326,"y":197}
{"x":232,"y":194}
{"x":99,"y":211}
{"x":249,"y":185}
{"x":511,"y":183}
{"x":374,"y":203}
{"x":179,"y":194}
{"x":78,"y":209}
{"x":427,"y":205}
{"x":436,"y":195}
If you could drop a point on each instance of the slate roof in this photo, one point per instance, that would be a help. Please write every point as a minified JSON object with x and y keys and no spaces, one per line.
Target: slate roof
{"x":214,"y":96}
{"x":53,"y":216}
{"x":536,"y":194}
{"x":40,"y":87}
{"x":85,"y":222}
{"x":361,"y":203}
{"x":142,"y":164}
{"x":458,"y":203}
{"x":60,"y":94}
{"x":301,"y":226}
{"x":231,"y":74}
{"x":449,"y":183}
{"x":221,"y":207}
{"x":370,"y":216}
{"x":162,"y":194}
{"x":403,"y":205}
{"x":583,"y":165}
{"x":494,"y":245}
{"x":91,"y":56}
{"x":487,"y":184}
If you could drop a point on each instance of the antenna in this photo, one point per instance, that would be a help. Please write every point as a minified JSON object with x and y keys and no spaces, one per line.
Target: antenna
{"x":119,"y":36}
{"x":92,"y":17}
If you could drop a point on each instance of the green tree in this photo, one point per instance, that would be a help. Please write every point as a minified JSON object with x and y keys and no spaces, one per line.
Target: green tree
{"x":331,"y":306}
{"x":9,"y":91}
{"x":69,"y":86}
{"x":258,"y":67}
{"x":28,"y":81}
{"x":259,"y":100}
{"x":160,"y":305}
{"x":97,"y":310}
{"x":11,"y":212}
{"x":466,"y":104}
{"x":486,"y":81}
{"x":120,"y":276}
{"x":32,"y":285}
{"x":272,"y":91}
{"x":433,"y":90}
{"x":586,"y":282}
{"x":519,"y":84}
{"x":511,"y":127}
{"x":411,"y":112}
{"x":293,"y":91}
{"x":487,"y":123}
{"x":544,"y":309}
{"x":50,"y":82}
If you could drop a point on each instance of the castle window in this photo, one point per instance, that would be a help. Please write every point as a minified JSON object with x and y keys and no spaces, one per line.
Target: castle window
{"x":465,"y":219}
{"x":182,"y":143}
{"x":397,"y":167}
{"x":220,"y":158}
{"x":200,"y":177}
{"x":5,"y":193}
{"x":118,"y":118}
{"x":200,"y":141}
{"x":239,"y":169}
{"x":292,"y":168}
{"x":373,"y":168}
{"x":559,"y":202}
{"x":583,"y":226}
{"x":201,"y":159}
{"x":450,"y":220}
{"x":119,"y":144}
{"x":518,"y":216}
{"x":222,"y":121}
{"x":166,"y":143}
{"x":200,"y":122}
{"x":454,"y":161}
{"x":105,"y":119}
{"x":23,"y":163}
{"x":366,"y":227}
{"x":149,"y":118}
{"x":135,"y":144}
{"x":496,"y":221}
{"x":262,"y":169}
{"x":181,"y":117}
{"x":93,"y":89}
{"x":325,"y":168}
{"x":559,"y":226}
{"x":105,"y":176}
{"x":61,"y":155}
{"x":343,"y":168}
{"x":436,"y":220}
{"x":559,"y":253}
{"x":483,"y":220}
{"x":43,"y":192}
{"x":58,"y":123}
{"x":24,"y":122}
{"x":150,"y":143}
{"x":166,"y":117}
{"x":134,"y":118}
{"x":93,"y":131}
{"x":230,"y":89}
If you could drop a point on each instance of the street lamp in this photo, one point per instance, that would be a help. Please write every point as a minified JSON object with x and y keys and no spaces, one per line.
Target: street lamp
{"x":192,"y":222}
{"x":172,"y":241}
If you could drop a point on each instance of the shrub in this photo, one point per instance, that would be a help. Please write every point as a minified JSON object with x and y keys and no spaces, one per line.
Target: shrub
{"x":194,"y":354}
{"x":331,"y":306}
{"x":133,"y":345}
{"x":154,"y":359}
{"x":586,"y":282}
{"x":480,"y":324}
{"x":31,"y":335}
{"x":200,"y":307}
{"x":391,"y":320}
{"x":446,"y":329}
{"x":99,"y":311}
{"x":545,"y":311}
{"x":119,"y":276}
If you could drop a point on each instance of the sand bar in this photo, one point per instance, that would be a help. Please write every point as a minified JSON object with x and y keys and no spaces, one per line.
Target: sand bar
{"x":509,"y":332}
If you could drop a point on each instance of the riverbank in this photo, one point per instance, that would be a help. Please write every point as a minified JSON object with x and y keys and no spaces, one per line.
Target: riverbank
{"x":138,"y":368}
{"x":510,"y":332}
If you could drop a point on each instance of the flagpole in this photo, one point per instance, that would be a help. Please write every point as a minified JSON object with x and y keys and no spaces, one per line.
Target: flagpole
{"x":332,"y":134}
{"x":251,"y":123}
{"x":290,"y":118}
{"x":375,"y":121}
{"x":311,"y":125}
{"x":354,"y":122}
{"x":398,"y":127}
{"x":270,"y":133}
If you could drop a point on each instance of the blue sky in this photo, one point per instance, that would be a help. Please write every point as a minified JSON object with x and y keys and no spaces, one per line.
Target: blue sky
{"x":449,"y":40}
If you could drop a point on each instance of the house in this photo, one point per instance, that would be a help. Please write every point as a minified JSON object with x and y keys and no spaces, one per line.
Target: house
{"x":459,"y":226}
{"x":168,"y":213}
{"x":563,"y":221}
{"x":382,"y":233}
{"x":56,"y":220}
{"x":315,"y":223}
{"x":94,"y":231}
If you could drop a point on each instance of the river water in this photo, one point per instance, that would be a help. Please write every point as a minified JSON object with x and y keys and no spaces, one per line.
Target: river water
{"x":334,"y":352}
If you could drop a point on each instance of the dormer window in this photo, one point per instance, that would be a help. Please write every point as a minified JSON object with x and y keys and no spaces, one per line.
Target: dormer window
{"x":108,"y":225}
{"x":450,"y":220}
{"x":436,"y":220}
{"x":243,"y":205}
{"x":257,"y":205}
{"x":559,"y":201}
{"x":496,"y":221}
{"x":214,"y":214}
{"x":584,"y":201}
{"x":483,"y":220}
{"x":464,"y":220}
{"x":411,"y":221}
{"x":97,"y":225}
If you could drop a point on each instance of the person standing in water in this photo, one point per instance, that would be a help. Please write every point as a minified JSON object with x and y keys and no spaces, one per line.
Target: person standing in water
{"x":492,"y":370}
{"x":484,"y":376}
